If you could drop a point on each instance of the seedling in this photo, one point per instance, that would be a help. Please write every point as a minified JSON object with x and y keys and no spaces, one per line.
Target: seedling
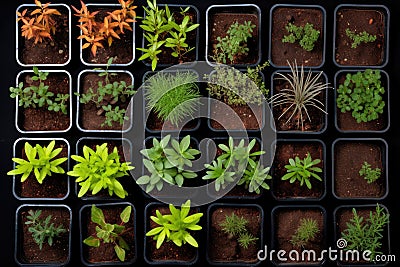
{"x":306,"y":232}
{"x":110,"y":233}
{"x":306,"y":36}
{"x":235,"y":227}
{"x":98,"y":170}
{"x":43,"y":230}
{"x":41,"y":160}
{"x":370,"y":175}
{"x":175,"y":227}
{"x":361,"y":37}
{"x":302,"y":170}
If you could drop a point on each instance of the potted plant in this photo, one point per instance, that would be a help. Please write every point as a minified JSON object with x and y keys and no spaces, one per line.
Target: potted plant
{"x":41,"y":164}
{"x":362,"y":101}
{"x":299,"y":170}
{"x":235,"y":234}
{"x":362,"y":177}
{"x":109,"y":31}
{"x":297,"y":32}
{"x":233,"y":34}
{"x":171,"y":34}
{"x":43,"y":101}
{"x":108,"y":234}
{"x":361,"y":35}
{"x":170,"y":234}
{"x":103,"y":100}
{"x":43,"y":34}
{"x":43,"y":235}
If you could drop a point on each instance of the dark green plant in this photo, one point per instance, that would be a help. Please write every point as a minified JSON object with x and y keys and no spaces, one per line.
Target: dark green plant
{"x":167,"y":161}
{"x":98,"y":170}
{"x":40,"y":160}
{"x":306,"y":36}
{"x":110,"y":233}
{"x":235,"y":227}
{"x":175,"y":227}
{"x":306,"y":232}
{"x":361,"y":37}
{"x":172,"y":96}
{"x":38,"y":96}
{"x":366,"y":233}
{"x":362,"y":95}
{"x":302,"y":170}
{"x":371,"y":175}
{"x":43,"y":230}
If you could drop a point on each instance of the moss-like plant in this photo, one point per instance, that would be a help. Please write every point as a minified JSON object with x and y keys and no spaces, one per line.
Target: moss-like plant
{"x":306,"y":232}
{"x":235,"y":227}
{"x":361,"y":37}
{"x":306,"y":36}
{"x":369,"y":174}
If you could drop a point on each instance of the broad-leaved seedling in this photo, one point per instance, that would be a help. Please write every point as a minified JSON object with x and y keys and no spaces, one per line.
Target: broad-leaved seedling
{"x":369,"y":174}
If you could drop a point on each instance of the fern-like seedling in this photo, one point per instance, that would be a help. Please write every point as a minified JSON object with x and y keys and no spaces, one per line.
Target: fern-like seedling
{"x":306,"y":232}
{"x":369,"y":174}
{"x":235,"y":227}
{"x":361,"y":37}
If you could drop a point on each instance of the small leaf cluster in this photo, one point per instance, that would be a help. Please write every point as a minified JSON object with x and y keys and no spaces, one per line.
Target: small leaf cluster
{"x":233,"y":160}
{"x":371,"y":175}
{"x":40,"y":160}
{"x":175,"y":226}
{"x":234,"y":44}
{"x":167,"y":161}
{"x":42,"y":230}
{"x":40,"y":23}
{"x":96,"y":32}
{"x":361,"y":37}
{"x":302,"y":170}
{"x":362,"y":94}
{"x":235,"y":226}
{"x":306,"y":232}
{"x":109,"y":233}
{"x":37,"y":96}
{"x":172,"y":96}
{"x":306,"y":36}
{"x":161,"y":30}
{"x":366,"y":233}
{"x":98,"y":170}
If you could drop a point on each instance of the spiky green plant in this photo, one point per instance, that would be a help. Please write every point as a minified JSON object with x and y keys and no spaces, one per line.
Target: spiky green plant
{"x":307,"y":231}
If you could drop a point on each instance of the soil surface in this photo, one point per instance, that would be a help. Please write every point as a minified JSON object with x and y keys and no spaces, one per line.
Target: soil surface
{"x":282,"y":52}
{"x":57,"y":253}
{"x":287,"y":150}
{"x":89,"y":113}
{"x":286,"y":224}
{"x":105,"y":252}
{"x":50,"y":51}
{"x":359,"y":20}
{"x":250,"y":117}
{"x":41,"y":119}
{"x":219,"y":25}
{"x":348,"y":182}
{"x":225,"y":248}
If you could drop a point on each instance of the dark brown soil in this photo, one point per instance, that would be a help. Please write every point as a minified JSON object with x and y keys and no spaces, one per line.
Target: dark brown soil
{"x":154,"y":123}
{"x":41,"y":119}
{"x":55,"y":186}
{"x":219,"y":25}
{"x":294,"y":124}
{"x":29,"y":250}
{"x":225,"y":248}
{"x":227,"y":114}
{"x":105,"y":252}
{"x":287,"y":150}
{"x":89,"y":118}
{"x":349,"y":158}
{"x":50,"y":51}
{"x":359,"y":20}
{"x":168,"y":250}
{"x":121,"y":49}
{"x":282,"y":52}
{"x":286,"y":224}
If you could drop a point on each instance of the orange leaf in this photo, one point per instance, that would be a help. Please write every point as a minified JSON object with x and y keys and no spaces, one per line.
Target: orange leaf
{"x":86,"y":45}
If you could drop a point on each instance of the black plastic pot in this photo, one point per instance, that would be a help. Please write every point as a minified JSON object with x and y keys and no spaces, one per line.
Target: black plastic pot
{"x":19,"y":235}
{"x":382,"y":144}
{"x":386,"y":97}
{"x":322,"y":36}
{"x":83,"y":233}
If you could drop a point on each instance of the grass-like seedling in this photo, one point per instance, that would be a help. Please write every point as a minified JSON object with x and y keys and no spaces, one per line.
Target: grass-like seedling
{"x":98,"y":170}
{"x":42,"y":229}
{"x":306,"y":232}
{"x":369,"y":174}
{"x":110,"y":233}
{"x":362,"y":95}
{"x":175,"y":226}
{"x":306,"y":36}
{"x":40,"y":160}
{"x":235,"y":227}
{"x":361,"y":37}
{"x":302,"y":170}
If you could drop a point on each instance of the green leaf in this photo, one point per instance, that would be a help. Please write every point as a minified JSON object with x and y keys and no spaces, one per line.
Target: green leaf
{"x":126,"y":214}
{"x":97,"y":216}
{"x":120,"y":252}
{"x":160,"y":239}
{"x":188,"y":238}
{"x":92,"y":242}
